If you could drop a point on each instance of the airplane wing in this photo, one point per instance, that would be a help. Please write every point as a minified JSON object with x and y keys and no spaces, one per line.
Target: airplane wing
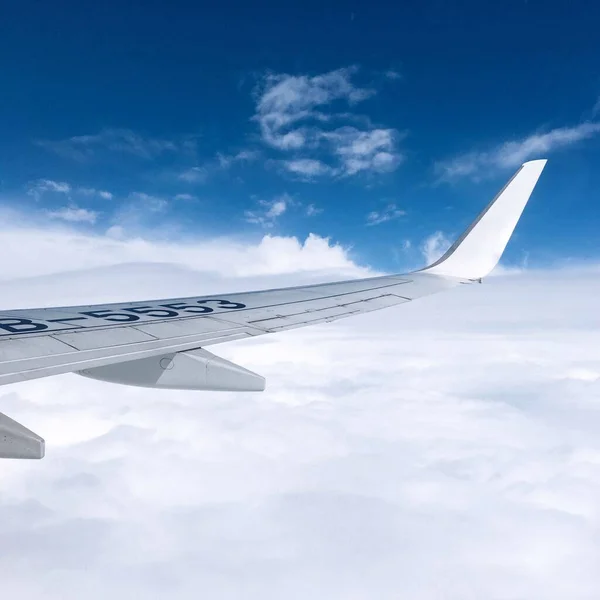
{"x":161,"y":343}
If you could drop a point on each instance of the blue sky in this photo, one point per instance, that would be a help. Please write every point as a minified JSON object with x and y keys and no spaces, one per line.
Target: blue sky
{"x":376,"y":125}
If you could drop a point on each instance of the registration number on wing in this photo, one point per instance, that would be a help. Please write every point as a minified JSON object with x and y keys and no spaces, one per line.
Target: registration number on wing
{"x":22,"y":325}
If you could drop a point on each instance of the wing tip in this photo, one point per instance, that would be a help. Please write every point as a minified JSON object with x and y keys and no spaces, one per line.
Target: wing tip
{"x":479,"y":249}
{"x":540,"y":162}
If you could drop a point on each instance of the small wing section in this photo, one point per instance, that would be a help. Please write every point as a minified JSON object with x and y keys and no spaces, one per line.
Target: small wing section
{"x":478,"y":250}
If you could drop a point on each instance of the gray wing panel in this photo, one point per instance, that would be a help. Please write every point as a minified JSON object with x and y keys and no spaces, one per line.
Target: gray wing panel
{"x":40,"y":342}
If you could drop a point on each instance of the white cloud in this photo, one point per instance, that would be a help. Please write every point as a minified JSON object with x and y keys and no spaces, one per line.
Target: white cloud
{"x":389,"y":213}
{"x":121,"y":141}
{"x":295,"y":114}
{"x":73,"y":214}
{"x":512,"y":154}
{"x":226,"y":161}
{"x":270,"y":211}
{"x":307,"y":168}
{"x":103,"y":194}
{"x":194,"y":175}
{"x":138,"y":212}
{"x":434,"y":247}
{"x":220,"y":163}
{"x":392,"y":75}
{"x":449,"y":444}
{"x":276,"y":209}
{"x":72,"y":251}
{"x":148,"y":201}
{"x":185,"y":197}
{"x":284,"y":100}
{"x":371,"y":151}
{"x":312,"y":210}
{"x":41,"y":186}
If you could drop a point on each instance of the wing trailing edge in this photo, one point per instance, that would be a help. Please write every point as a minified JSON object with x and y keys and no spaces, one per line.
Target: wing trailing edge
{"x":477,"y":251}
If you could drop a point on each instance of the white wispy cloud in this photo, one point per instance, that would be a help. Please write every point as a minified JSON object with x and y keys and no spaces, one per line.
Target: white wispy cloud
{"x":389,"y":213}
{"x":74,"y":214}
{"x":138,"y":212}
{"x":511,"y":154}
{"x":37,"y":188}
{"x":148,"y":201}
{"x":393,"y":75}
{"x":185,"y":197}
{"x":295,"y":115}
{"x":194,"y":175}
{"x":114,"y":140}
{"x":307,"y":168}
{"x":103,"y":194}
{"x":226,"y":161}
{"x":40,"y":187}
{"x":313,"y":211}
{"x":269,"y":211}
{"x":435,"y":246}
{"x":284,"y":100}
{"x":370,"y":151}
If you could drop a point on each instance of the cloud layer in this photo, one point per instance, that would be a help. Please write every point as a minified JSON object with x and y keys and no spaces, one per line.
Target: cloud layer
{"x":447,"y":449}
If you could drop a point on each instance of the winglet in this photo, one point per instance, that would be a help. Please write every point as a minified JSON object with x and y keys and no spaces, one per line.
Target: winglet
{"x":478,"y":250}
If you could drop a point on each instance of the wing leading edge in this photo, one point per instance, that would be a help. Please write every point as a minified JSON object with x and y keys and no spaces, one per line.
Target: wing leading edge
{"x":42,"y":342}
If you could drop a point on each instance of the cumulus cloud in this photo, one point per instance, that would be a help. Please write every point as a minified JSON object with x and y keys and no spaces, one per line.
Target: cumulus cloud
{"x":70,"y":250}
{"x":448,"y":447}
{"x":295,"y":115}
{"x":513,"y":153}
{"x":120,"y":141}
{"x":389,"y":213}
